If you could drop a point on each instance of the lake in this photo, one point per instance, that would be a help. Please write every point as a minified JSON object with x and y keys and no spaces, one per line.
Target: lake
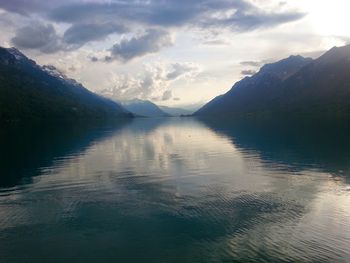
{"x":175,"y":190}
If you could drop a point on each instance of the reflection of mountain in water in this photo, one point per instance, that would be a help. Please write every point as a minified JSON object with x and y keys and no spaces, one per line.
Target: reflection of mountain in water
{"x":170,"y":189}
{"x":297,"y":146}
{"x":26,"y":149}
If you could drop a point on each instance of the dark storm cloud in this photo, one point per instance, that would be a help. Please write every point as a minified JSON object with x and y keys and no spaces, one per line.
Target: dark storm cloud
{"x":83,"y":33}
{"x":96,"y":19}
{"x":242,"y":21}
{"x":179,"y":69}
{"x":85,"y":12}
{"x":154,"y":12}
{"x":248,"y":72}
{"x":29,"y":7}
{"x":37,"y":36}
{"x":93,"y":59}
{"x":150,"y":42}
{"x":167,"y":95}
{"x":23,"y":7}
{"x":42,"y":37}
{"x":251,"y":63}
{"x":168,"y":13}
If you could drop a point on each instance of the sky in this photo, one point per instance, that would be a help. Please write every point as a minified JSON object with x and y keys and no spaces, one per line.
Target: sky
{"x":173,"y":52}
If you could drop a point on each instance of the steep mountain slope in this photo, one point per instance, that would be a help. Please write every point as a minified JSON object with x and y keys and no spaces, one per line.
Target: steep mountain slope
{"x":321,"y":88}
{"x":294,"y":87}
{"x":144,"y":108}
{"x":31,"y":92}
{"x":253,"y":94}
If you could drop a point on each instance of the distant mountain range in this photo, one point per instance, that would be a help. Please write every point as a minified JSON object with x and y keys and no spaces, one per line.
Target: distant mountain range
{"x":32,"y":92}
{"x":292,"y":87}
{"x":147,"y":108}
{"x":143,"y":108}
{"x":176,"y":112}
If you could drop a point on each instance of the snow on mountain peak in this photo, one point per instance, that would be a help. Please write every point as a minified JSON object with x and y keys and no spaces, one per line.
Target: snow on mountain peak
{"x":18,"y":54}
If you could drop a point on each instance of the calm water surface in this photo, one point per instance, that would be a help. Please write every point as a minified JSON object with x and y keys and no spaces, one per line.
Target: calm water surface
{"x":174,"y":190}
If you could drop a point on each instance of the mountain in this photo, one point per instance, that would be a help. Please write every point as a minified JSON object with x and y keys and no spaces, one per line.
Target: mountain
{"x":293,"y":87}
{"x":321,"y":88}
{"x":175,"y":111}
{"x":32,"y":92}
{"x":144,"y":108}
{"x":253,"y":94}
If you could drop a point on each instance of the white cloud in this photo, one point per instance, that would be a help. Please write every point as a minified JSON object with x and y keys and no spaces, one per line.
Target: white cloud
{"x":151,"y":84}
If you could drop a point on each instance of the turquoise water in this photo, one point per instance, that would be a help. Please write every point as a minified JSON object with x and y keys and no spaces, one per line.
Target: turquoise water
{"x":175,"y":190}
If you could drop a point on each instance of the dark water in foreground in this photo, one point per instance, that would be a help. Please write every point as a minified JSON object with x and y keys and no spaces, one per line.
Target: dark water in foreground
{"x":175,"y":190}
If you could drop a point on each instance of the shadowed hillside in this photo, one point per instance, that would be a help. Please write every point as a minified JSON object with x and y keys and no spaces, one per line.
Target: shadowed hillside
{"x":293,"y":87}
{"x":31,"y":92}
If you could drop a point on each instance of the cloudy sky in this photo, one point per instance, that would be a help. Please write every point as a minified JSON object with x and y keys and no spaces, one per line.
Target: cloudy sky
{"x":173,"y":52}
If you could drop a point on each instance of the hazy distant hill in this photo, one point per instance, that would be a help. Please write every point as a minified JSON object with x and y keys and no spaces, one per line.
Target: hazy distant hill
{"x":144,"y":108}
{"x":295,"y":86}
{"x":175,"y":111}
{"x":31,"y":92}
